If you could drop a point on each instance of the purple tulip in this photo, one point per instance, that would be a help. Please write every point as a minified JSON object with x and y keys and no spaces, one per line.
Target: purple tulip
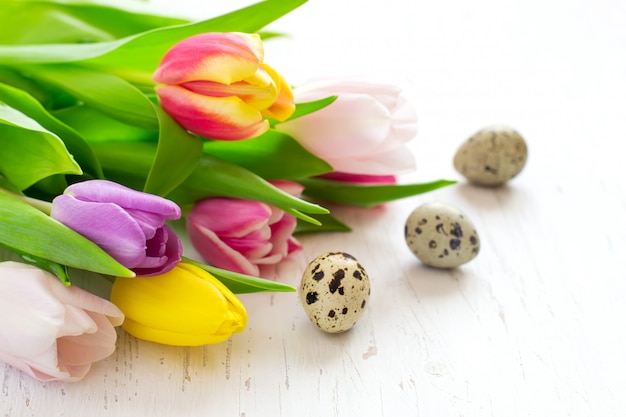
{"x":128,"y":224}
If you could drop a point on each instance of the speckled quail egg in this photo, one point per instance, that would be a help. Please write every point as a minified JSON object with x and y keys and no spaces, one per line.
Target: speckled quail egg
{"x":441,"y":235}
{"x":492,"y":156}
{"x":334,"y":291}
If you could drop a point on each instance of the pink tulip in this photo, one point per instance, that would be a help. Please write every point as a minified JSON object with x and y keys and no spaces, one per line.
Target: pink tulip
{"x":127,"y":224}
{"x":50,"y":331}
{"x":364,"y":131}
{"x":243,"y":235}
{"x":217,"y":86}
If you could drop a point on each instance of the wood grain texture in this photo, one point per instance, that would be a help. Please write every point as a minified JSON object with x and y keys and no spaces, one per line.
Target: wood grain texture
{"x":534,"y":326}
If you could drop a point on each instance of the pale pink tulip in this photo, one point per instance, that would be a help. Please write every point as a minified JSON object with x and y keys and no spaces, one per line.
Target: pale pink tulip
{"x":364,"y":131}
{"x":216,"y":85}
{"x":243,"y":235}
{"x":50,"y":331}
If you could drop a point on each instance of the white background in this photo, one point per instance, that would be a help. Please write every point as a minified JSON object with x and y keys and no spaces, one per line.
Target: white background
{"x":534,"y":326}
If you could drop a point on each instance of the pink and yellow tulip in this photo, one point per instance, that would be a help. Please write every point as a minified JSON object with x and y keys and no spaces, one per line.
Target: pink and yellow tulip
{"x":216,"y":85}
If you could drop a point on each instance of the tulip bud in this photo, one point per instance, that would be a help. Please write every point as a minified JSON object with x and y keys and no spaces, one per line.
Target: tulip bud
{"x":127,"y":224}
{"x":217,"y":86}
{"x":364,"y":131}
{"x":50,"y":331}
{"x":243,"y":235}
{"x":186,"y":306}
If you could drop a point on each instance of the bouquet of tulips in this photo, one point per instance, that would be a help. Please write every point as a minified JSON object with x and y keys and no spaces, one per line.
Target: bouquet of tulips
{"x":117,"y":124}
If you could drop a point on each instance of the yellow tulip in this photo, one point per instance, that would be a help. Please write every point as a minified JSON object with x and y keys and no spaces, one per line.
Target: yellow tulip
{"x":185,"y":306}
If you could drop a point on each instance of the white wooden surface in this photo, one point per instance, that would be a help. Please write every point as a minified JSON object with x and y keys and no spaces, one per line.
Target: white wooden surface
{"x":534,"y":326}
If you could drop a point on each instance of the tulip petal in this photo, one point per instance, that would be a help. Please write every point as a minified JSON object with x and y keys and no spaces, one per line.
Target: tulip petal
{"x":163,"y":252}
{"x":221,"y":57}
{"x":148,"y":222}
{"x":397,"y":160}
{"x":76,"y":322}
{"x":283,"y":106}
{"x":229,"y":216}
{"x":39,"y":312}
{"x":259,"y":90}
{"x":37,"y":326}
{"x":350,"y":126}
{"x":105,"y":224}
{"x":185,"y":307}
{"x":217,"y":253}
{"x":108,"y":191}
{"x":226,"y":118}
{"x":359,"y":178}
{"x":80,"y":350}
{"x":368,"y":125}
{"x":290,"y":187}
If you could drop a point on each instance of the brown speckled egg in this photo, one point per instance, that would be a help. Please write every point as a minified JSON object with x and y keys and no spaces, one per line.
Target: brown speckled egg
{"x":334,"y":291}
{"x":441,"y":235}
{"x":492,"y":156}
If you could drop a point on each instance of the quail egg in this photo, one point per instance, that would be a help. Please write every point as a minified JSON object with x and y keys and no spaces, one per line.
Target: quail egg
{"x":334,"y":291}
{"x":441,"y":235}
{"x":492,"y":156}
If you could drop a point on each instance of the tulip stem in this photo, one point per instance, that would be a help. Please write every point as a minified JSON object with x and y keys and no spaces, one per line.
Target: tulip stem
{"x":40,"y":205}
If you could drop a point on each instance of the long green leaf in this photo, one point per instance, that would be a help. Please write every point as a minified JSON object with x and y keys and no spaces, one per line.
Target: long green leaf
{"x":105,"y":92}
{"x":273,"y":155}
{"x":365,"y":195}
{"x":95,"y":126}
{"x":328,"y":223}
{"x":29,"y":151}
{"x":74,"y":143}
{"x":215,"y":177}
{"x":140,"y":54}
{"x":49,"y":96}
{"x":243,"y":284}
{"x":302,"y":109}
{"x":26,"y":230}
{"x":129,"y":164}
{"x":177,"y":155}
{"x":47,"y":21}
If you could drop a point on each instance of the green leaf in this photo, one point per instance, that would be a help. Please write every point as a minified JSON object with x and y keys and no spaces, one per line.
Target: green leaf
{"x":129,"y":163}
{"x":74,"y":143}
{"x":365,"y":195}
{"x":106,"y":92}
{"x":328,"y":223}
{"x":59,"y":270}
{"x":29,"y":151}
{"x":215,"y":177}
{"x":145,"y":51}
{"x":41,"y":22}
{"x":27,"y":231}
{"x":49,"y":96}
{"x":137,"y":56}
{"x":273,"y":155}
{"x":240,"y":283}
{"x":95,"y":126}
{"x":177,"y":155}
{"x":302,"y":109}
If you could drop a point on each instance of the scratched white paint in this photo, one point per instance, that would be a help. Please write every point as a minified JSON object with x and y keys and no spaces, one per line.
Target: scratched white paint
{"x":532,"y":327}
